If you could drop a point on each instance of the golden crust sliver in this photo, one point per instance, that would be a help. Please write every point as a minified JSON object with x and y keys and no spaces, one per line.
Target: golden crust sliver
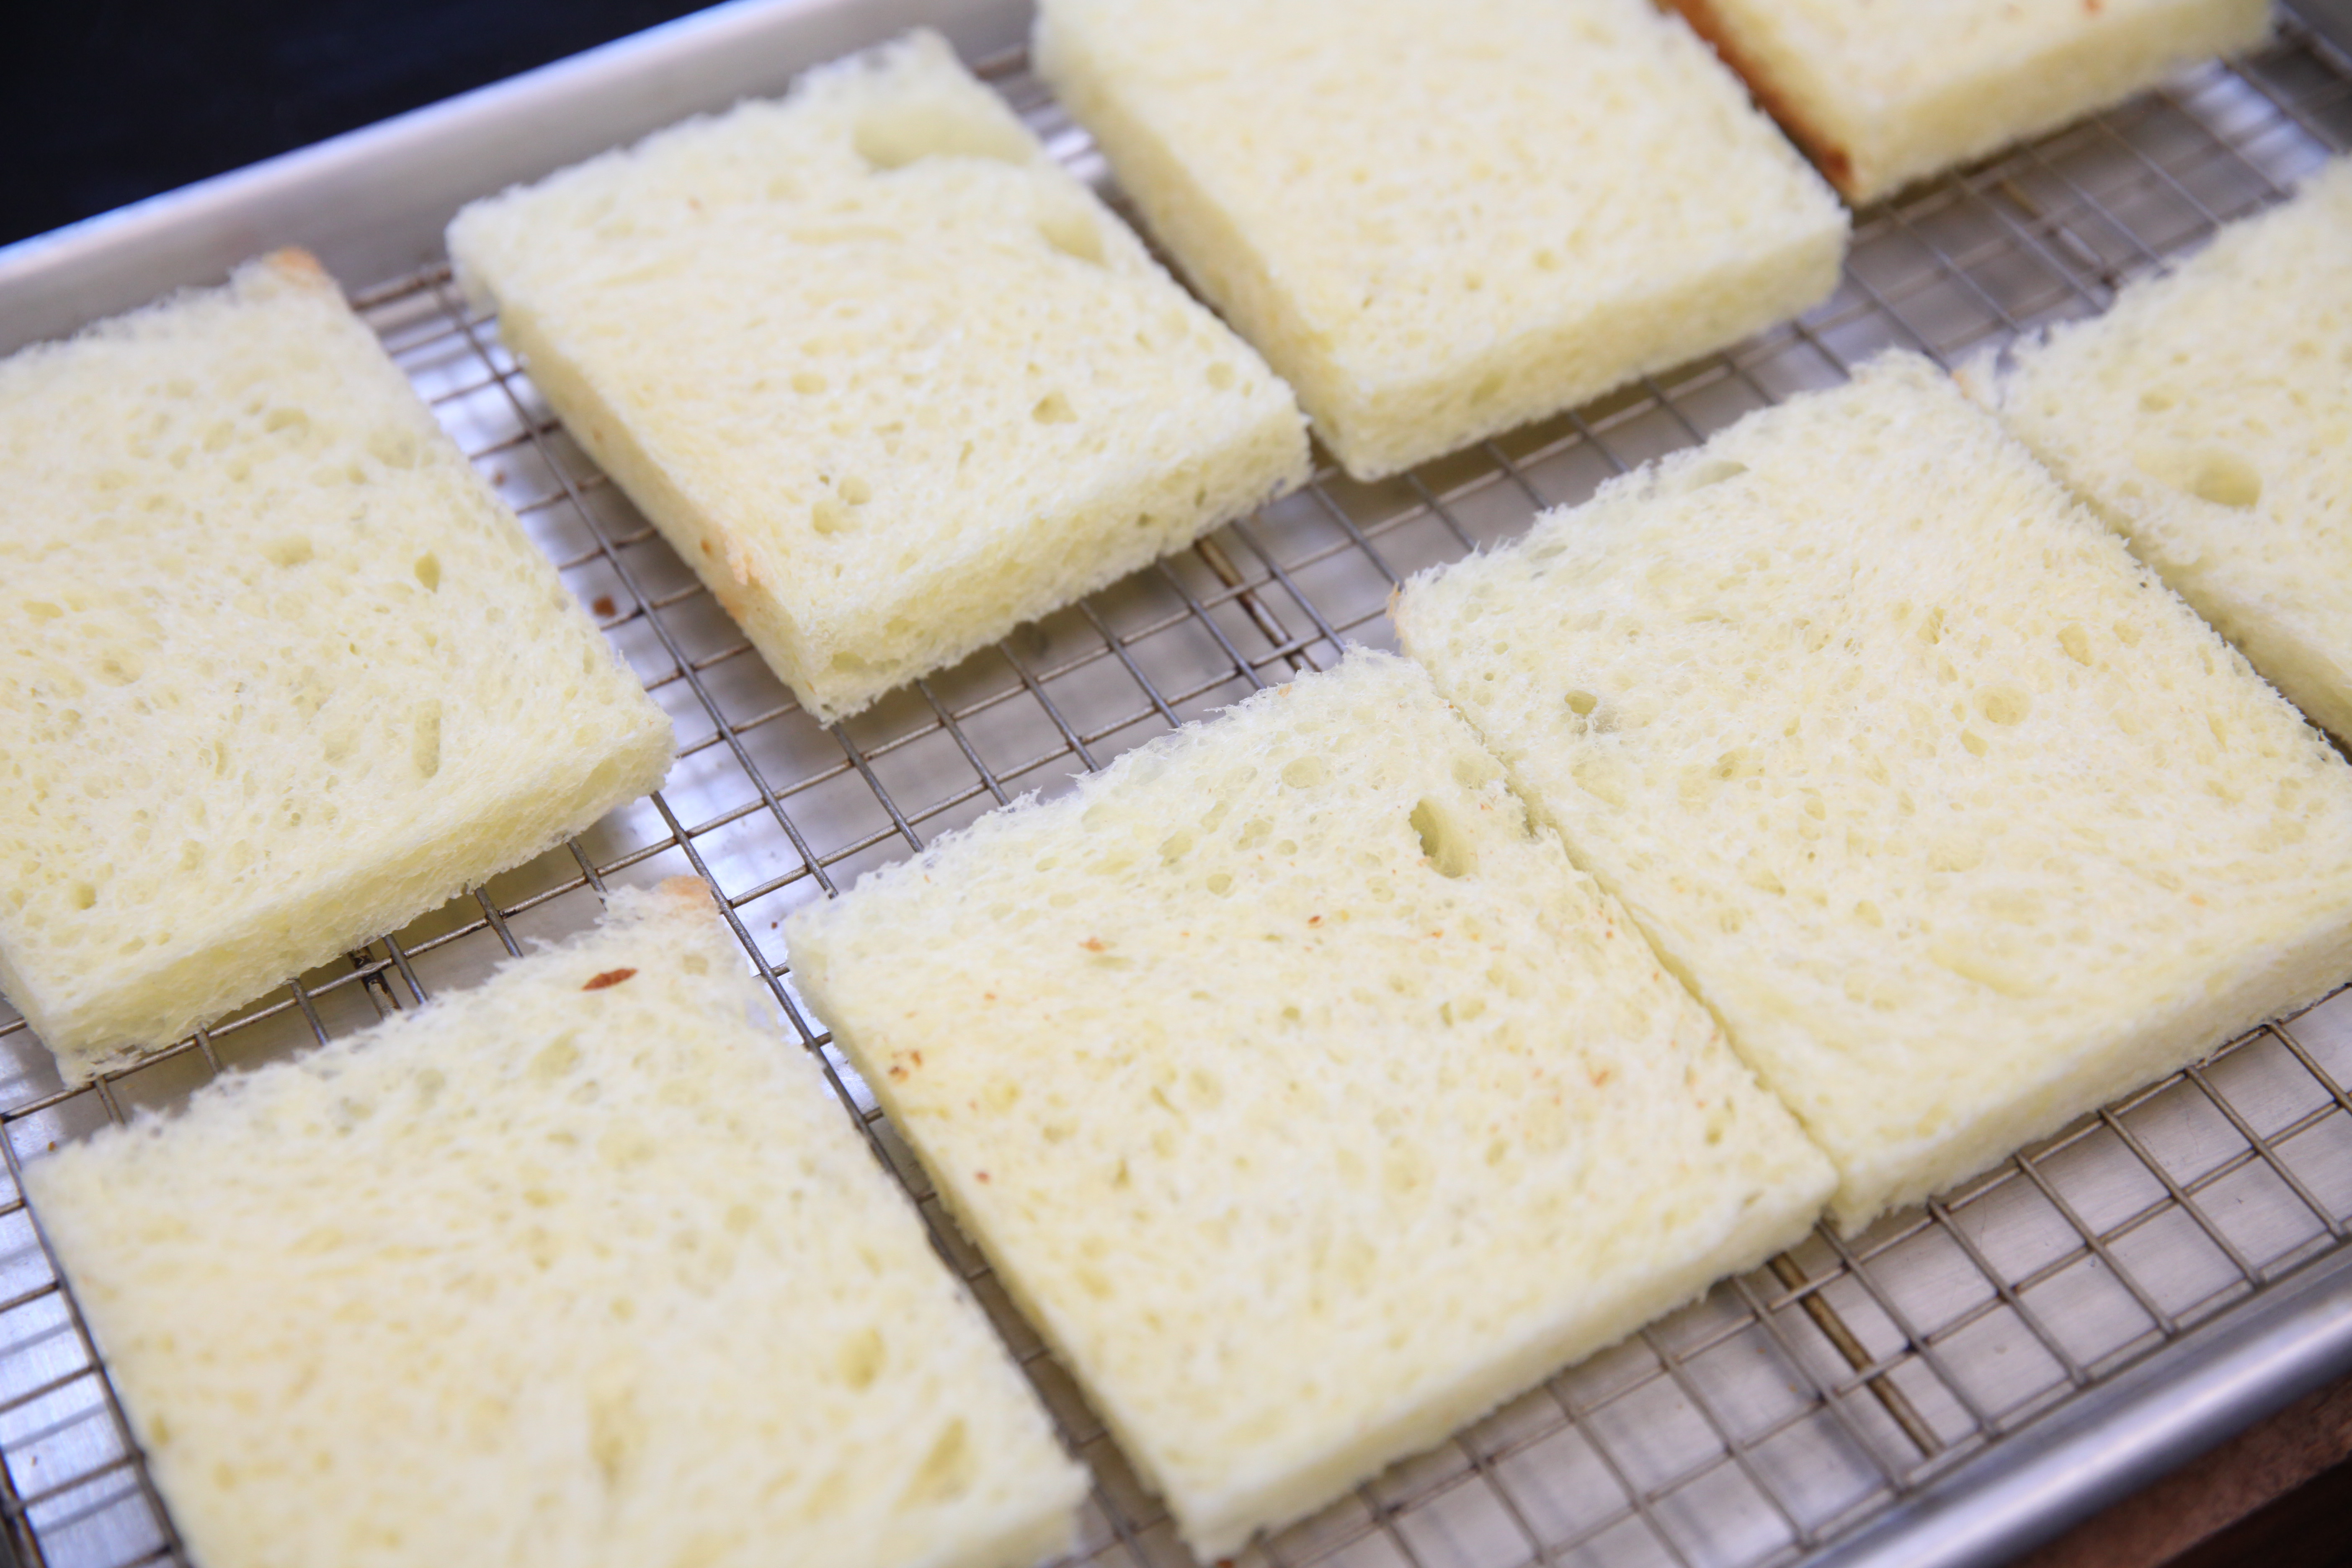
{"x":1882,"y":95}
{"x":1441,"y":218}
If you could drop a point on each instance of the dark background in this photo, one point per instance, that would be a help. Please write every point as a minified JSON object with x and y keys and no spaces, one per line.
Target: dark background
{"x":105,"y":101}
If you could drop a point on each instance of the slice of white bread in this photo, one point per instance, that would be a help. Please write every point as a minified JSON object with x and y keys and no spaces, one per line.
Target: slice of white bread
{"x":2207,"y":416}
{"x":1303,"y":1095}
{"x":1441,"y":218}
{"x":1884,"y":94}
{"x":583,"y":1265}
{"x":278,"y":672}
{"x":888,"y":378}
{"x":1961,"y":822}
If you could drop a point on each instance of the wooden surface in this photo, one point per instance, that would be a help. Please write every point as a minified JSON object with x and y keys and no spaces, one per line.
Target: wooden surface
{"x":2275,"y":1495}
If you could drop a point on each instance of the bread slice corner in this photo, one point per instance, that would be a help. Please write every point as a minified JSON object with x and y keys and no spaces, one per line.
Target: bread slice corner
{"x":1883,"y":97}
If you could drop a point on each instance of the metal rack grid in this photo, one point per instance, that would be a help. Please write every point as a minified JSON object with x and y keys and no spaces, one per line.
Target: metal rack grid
{"x":1769,"y":1421}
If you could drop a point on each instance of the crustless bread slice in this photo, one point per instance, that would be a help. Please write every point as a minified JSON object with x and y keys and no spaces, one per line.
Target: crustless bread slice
{"x":584,"y":1266}
{"x":278,"y":672}
{"x":886,"y":377}
{"x":1881,"y":94}
{"x":1440,"y":218}
{"x":1303,"y":1095}
{"x":1957,"y":817}
{"x":2207,"y":416}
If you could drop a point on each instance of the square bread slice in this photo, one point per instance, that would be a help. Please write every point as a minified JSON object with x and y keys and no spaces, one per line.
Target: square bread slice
{"x":278,"y":672}
{"x":1441,"y":218}
{"x":1958,"y":819}
{"x":584,"y":1266}
{"x":890,"y":379}
{"x":2207,"y":416}
{"x":1304,"y":1095}
{"x":1884,"y":94}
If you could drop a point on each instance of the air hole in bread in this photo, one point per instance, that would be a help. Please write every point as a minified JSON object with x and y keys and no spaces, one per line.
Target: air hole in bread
{"x":862,"y":1355}
{"x":2004,"y":704}
{"x":292,"y":551}
{"x":1053,"y":409}
{"x":2226,"y":479}
{"x":946,"y":1471}
{"x":428,"y":572}
{"x":1221,"y":376}
{"x":1305,"y":773}
{"x":1448,"y":848}
{"x":424,"y":740}
{"x":393,"y":448}
{"x":2222,"y":477}
{"x":1069,"y":228}
{"x":894,"y":136}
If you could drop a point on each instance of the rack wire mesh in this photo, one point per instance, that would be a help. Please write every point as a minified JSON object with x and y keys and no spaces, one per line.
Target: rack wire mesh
{"x":1765,"y":1422}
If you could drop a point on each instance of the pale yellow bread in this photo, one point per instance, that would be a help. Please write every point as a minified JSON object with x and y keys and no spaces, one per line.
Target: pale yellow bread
{"x":1305,"y":1096}
{"x":2207,"y":416}
{"x":1961,"y":821}
{"x":1441,"y":218}
{"x":890,"y":379}
{"x":1885,"y":93}
{"x":278,"y":672}
{"x":584,"y":1266}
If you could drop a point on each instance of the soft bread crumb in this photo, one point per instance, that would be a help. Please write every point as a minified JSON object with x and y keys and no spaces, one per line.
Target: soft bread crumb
{"x":886,"y":377}
{"x":2207,"y":416}
{"x":1883,"y":95}
{"x":550,"y":1272}
{"x":1305,"y":1099}
{"x":284,"y":672}
{"x":1441,"y":218}
{"x":1961,"y":821}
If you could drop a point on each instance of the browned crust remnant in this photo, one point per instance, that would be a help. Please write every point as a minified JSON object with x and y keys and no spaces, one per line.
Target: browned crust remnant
{"x":1831,"y":159}
{"x":299,"y":263}
{"x":610,"y":977}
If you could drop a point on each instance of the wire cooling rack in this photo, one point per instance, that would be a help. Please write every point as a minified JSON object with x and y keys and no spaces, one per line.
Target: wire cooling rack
{"x":1772,"y":1420}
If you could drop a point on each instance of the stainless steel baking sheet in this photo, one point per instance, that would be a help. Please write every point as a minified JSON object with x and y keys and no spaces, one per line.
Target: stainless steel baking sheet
{"x":1956,"y":1384}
